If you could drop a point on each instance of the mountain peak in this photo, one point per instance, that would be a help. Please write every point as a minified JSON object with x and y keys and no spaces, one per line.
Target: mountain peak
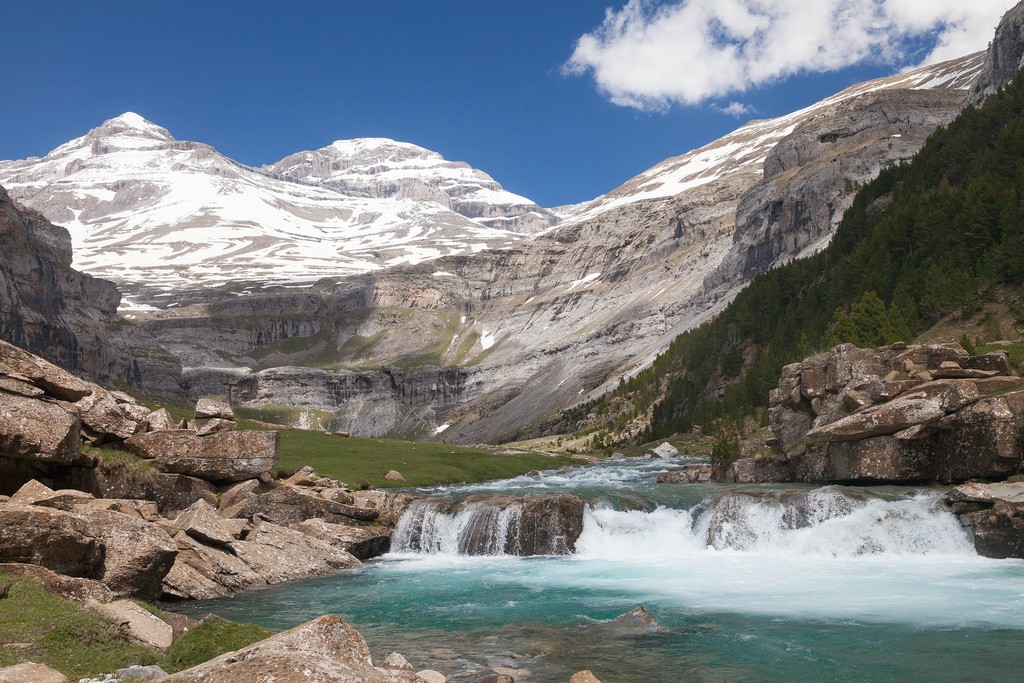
{"x":131,"y":125}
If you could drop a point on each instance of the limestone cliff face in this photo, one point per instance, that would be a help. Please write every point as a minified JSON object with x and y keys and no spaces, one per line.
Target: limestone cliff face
{"x":553,"y":320}
{"x":1004,"y":58}
{"x":68,"y":317}
{"x":811,"y":176}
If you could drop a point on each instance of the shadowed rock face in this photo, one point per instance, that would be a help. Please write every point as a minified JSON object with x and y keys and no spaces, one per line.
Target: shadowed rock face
{"x":68,"y":317}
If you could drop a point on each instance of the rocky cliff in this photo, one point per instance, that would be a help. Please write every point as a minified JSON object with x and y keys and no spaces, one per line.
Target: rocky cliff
{"x":69,"y":317}
{"x":544,"y":323}
{"x":1004,"y":58}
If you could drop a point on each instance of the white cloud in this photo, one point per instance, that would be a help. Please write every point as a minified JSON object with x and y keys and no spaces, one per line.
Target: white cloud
{"x":735,"y":109}
{"x":653,"y":53}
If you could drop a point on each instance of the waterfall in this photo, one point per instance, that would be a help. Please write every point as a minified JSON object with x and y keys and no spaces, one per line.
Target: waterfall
{"x":825,"y":522}
{"x":491,"y":525}
{"x":474,"y":528}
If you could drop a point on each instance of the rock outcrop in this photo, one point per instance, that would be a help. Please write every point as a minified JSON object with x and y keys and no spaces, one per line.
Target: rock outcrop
{"x":994,"y":514}
{"x":68,"y":317}
{"x":896,"y":414}
{"x":1004,"y":58}
{"x":320,"y":651}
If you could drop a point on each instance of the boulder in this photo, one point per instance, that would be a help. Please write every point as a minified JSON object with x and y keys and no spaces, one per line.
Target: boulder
{"x":887,"y":418}
{"x":236,"y":493}
{"x":61,"y":541}
{"x":362,"y":542}
{"x":584,"y":676}
{"x":430,"y":676}
{"x":279,"y":554}
{"x":394,"y":475}
{"x":30,"y":672}
{"x":998,"y":532}
{"x":105,"y":417}
{"x":145,"y":510}
{"x":639,"y":616}
{"x":759,"y":470}
{"x":979,"y":441}
{"x":128,"y":555}
{"x":289,"y":505}
{"x":201,"y":522}
{"x":325,"y":649}
{"x":31,"y":492}
{"x":390,"y":505}
{"x":159,"y":420}
{"x":136,"y":554}
{"x":867,"y":461}
{"x":396,"y":661}
{"x":666,"y":450}
{"x":72,"y":588}
{"x":212,"y":408}
{"x":133,"y":673}
{"x":204,"y":426}
{"x":44,"y":431}
{"x":170,"y":492}
{"x":219,"y":457}
{"x":203,"y":572}
{"x":141,"y":625}
{"x":689,"y":474}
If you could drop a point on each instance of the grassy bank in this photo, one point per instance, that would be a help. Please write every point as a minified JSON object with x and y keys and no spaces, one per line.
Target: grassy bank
{"x":359,"y":461}
{"x":40,"y":626}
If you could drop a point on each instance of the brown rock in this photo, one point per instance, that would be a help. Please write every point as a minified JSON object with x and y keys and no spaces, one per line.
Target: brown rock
{"x":105,"y":416}
{"x":146,"y":510}
{"x":394,"y":475}
{"x":887,"y":418}
{"x":16,"y":386}
{"x":137,"y":554}
{"x":279,"y":554}
{"x":61,"y":541}
{"x":877,"y":459}
{"x":390,"y":505}
{"x":362,"y":542}
{"x":789,"y":426}
{"x":170,"y":492}
{"x":996,"y":361}
{"x":30,"y":672}
{"x":979,"y":441}
{"x":201,"y":522}
{"x":140,"y":624}
{"x":759,"y":471}
{"x":689,"y":474}
{"x":584,"y":676}
{"x":204,"y":426}
{"x":235,"y":494}
{"x":958,"y":395}
{"x":323,"y":650}
{"x":223,"y":456}
{"x":208,"y":407}
{"x":30,"y":492}
{"x":43,"y":431}
{"x":72,"y":588}
{"x":289,"y":505}
{"x":203,"y":572}
{"x":159,"y":420}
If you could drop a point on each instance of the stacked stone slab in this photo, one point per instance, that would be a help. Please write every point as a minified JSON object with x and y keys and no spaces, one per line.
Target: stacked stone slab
{"x":898,"y":414}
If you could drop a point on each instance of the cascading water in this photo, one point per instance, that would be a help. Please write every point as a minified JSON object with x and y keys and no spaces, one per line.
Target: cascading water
{"x":476,"y":528}
{"x":755,"y":583}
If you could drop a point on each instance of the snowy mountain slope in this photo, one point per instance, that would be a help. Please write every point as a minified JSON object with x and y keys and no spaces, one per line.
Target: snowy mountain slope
{"x":147,"y":210}
{"x":747,"y":147}
{"x":380,"y":167}
{"x":563,"y":315}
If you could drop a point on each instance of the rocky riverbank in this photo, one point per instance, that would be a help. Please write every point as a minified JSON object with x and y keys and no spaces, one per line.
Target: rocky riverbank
{"x":904,"y":414}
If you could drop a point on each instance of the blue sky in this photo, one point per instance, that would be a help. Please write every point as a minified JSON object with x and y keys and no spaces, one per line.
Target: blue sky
{"x":559,"y":100}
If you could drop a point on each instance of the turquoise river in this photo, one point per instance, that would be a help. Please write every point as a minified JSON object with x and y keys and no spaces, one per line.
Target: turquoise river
{"x":888,"y":590}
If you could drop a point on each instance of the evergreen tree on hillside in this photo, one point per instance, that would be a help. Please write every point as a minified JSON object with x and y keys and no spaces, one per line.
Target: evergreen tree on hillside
{"x":922,"y":240}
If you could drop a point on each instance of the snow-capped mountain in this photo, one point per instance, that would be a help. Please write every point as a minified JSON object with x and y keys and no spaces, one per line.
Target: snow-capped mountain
{"x":147,"y":210}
